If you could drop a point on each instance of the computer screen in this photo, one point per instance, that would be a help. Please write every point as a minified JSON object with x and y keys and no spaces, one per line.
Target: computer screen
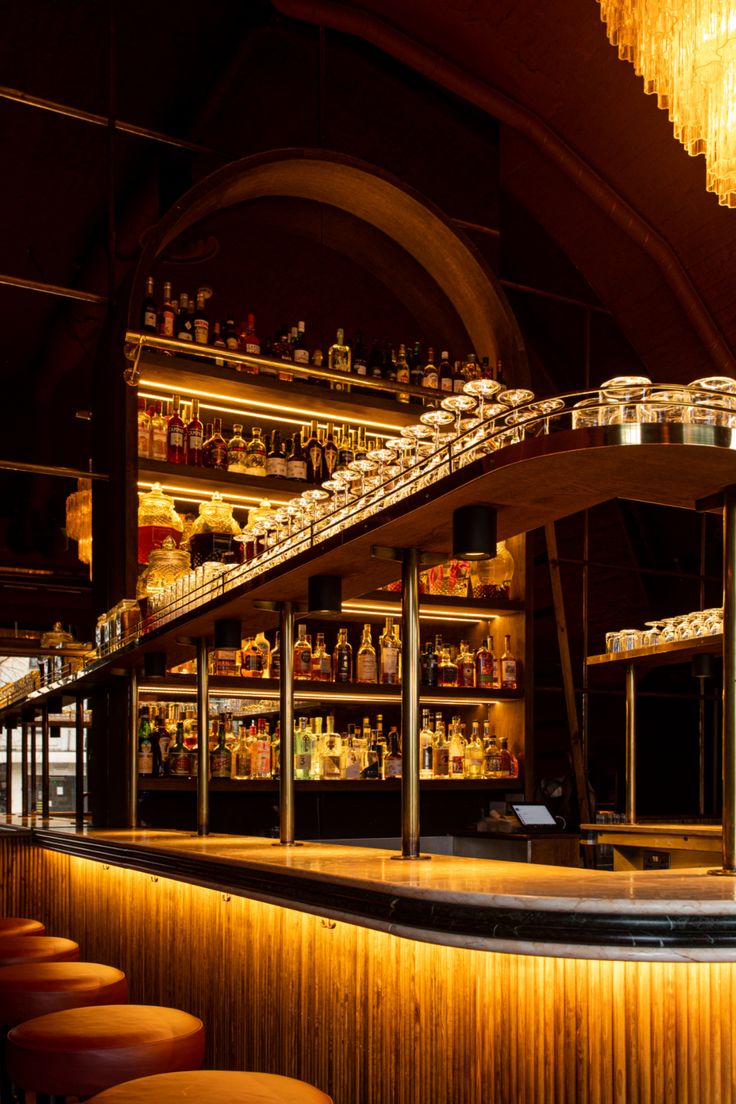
{"x":535,"y":816}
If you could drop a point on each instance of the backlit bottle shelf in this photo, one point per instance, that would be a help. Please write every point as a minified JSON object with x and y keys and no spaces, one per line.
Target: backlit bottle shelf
{"x":677,"y":651}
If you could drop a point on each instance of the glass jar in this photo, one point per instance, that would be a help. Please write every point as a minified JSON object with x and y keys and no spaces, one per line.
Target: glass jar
{"x":492,"y":578}
{"x":212,"y":533}
{"x":165,"y":566}
{"x":157,"y":519}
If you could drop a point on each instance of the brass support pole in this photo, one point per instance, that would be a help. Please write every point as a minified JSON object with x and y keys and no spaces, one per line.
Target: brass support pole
{"x":8,"y":769}
{"x":729,"y":681}
{"x":630,"y":743}
{"x":133,"y":749}
{"x":410,"y":704}
{"x":45,"y":782}
{"x":203,"y":749}
{"x":79,"y":751}
{"x":34,"y":771}
{"x":24,"y":769}
{"x":286,"y":713}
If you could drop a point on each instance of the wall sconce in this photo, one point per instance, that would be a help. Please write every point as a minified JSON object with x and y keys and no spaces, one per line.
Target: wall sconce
{"x":474,"y":533}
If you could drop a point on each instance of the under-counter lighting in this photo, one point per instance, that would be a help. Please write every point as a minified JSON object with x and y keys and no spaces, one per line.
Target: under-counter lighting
{"x":184,"y":494}
{"x":313,"y":695}
{"x":262,"y":409}
{"x":438,"y":614}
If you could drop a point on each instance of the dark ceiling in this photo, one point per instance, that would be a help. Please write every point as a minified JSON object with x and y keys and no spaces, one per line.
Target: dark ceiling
{"x":510,"y":114}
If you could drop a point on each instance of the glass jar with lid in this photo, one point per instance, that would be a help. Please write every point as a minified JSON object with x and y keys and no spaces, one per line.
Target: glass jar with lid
{"x":157,"y":519}
{"x":211,"y":537}
{"x":165,"y":566}
{"x":492,"y":578}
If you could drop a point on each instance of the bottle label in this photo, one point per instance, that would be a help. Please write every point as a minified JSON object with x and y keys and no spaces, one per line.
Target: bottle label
{"x":441,"y":761}
{"x":176,"y":436}
{"x":201,"y":331}
{"x":456,"y":766}
{"x":252,"y":348}
{"x":218,"y":455}
{"x":459,"y":383}
{"x":430,"y":380}
{"x":315,"y":459}
{"x":276,"y":467}
{"x":144,"y":441}
{"x":342,"y":669}
{"x":261,"y":758}
{"x":185,"y":333}
{"x":195,"y":440}
{"x":220,"y":764}
{"x":158,"y":444}
{"x":149,"y":319}
{"x":180,"y":763}
{"x":167,"y":324}
{"x":446,"y":383}
{"x":145,"y":760}
{"x":508,"y":674}
{"x":361,"y":368}
{"x":301,"y":356}
{"x":392,"y":768}
{"x":390,"y":665}
{"x":303,"y":763}
{"x":296,"y":469}
{"x":366,"y":667}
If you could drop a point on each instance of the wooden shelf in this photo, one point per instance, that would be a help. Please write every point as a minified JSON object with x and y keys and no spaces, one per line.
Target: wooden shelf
{"x":679,"y":651}
{"x":205,"y":481}
{"x":338,"y":785}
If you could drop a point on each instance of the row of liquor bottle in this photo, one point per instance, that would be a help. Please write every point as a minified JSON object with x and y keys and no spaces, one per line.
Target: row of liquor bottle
{"x":442,"y":663}
{"x":167,"y":746}
{"x":311,"y":455}
{"x":185,"y":319}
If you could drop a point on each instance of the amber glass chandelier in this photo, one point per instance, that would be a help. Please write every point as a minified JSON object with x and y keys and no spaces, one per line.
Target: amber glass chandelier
{"x":686,"y":52}
{"x":79,"y":520}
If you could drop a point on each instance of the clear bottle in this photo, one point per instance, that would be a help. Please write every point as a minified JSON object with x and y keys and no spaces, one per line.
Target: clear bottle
{"x":350,"y":755}
{"x":321,"y":661}
{"x":303,"y":749}
{"x":194,"y":437}
{"x":145,"y":744}
{"x":474,"y":754}
{"x":159,"y":443}
{"x":390,"y":655}
{"x":330,"y":753}
{"x":342,"y":658}
{"x":261,"y":764}
{"x":392,"y":761}
{"x":509,"y":679}
{"x":255,"y":454}
{"x":220,"y":757}
{"x":365,"y":662}
{"x":426,"y":740}
{"x":144,"y":429}
{"x":236,"y":447}
{"x":302,"y":654}
{"x":440,"y":750}
{"x":456,"y":750}
{"x":430,"y":376}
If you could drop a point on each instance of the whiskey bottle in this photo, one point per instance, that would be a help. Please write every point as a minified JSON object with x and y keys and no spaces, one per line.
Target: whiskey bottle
{"x":241,"y":755}
{"x":220,"y":757}
{"x":149,"y":314}
{"x":276,"y":457}
{"x":342,"y":658}
{"x":485,"y":667}
{"x":255,"y":454}
{"x":321,"y":661}
{"x":508,"y":666}
{"x":159,"y":442}
{"x":275,"y":659}
{"x":446,"y":669}
{"x":194,"y":437}
{"x":175,"y":451}
{"x":365,"y":661}
{"x":430,"y":377}
{"x":236,"y":460}
{"x":145,"y":746}
{"x":491,"y":757}
{"x":215,"y":448}
{"x":465,"y":666}
{"x":200,"y":322}
{"x":296,"y":464}
{"x":429,"y":665}
{"x":302,"y":654}
{"x":230,"y":337}
{"x":144,"y":429}
{"x":426,"y":740}
{"x":338,"y":359}
{"x":261,"y":642}
{"x":166,"y":316}
{"x":390,"y":655}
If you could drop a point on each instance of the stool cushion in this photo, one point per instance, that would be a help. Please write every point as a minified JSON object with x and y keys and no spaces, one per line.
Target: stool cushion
{"x":20,"y":925}
{"x":35,"y":989}
{"x":85,"y":1050}
{"x":15,"y":949}
{"x":214,"y":1087}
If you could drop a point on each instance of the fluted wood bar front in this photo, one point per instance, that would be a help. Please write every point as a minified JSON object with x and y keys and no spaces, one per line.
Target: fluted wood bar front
{"x":365,"y":977}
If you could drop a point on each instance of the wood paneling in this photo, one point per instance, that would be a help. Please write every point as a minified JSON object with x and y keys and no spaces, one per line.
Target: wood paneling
{"x":369,"y":1017}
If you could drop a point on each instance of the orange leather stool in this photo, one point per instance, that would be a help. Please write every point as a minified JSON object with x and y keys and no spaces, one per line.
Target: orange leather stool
{"x":37,"y":988}
{"x":84,"y":1050}
{"x":15,"y":949}
{"x":19,"y":925}
{"x":214,"y":1087}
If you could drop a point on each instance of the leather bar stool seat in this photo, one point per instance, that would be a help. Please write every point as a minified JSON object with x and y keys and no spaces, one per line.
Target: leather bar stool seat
{"x":20,"y":925}
{"x":15,"y":949}
{"x":213,"y":1087}
{"x":37,"y":988}
{"x":82,"y":1051}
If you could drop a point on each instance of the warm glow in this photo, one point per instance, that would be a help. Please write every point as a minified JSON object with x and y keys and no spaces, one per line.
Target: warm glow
{"x":686,"y":52}
{"x":79,"y":520}
{"x":185,"y":494}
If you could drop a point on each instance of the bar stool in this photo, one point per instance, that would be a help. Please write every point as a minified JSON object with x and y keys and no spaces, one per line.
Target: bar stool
{"x":20,"y":925}
{"x":15,"y":949}
{"x":82,"y":1051}
{"x":213,"y":1087}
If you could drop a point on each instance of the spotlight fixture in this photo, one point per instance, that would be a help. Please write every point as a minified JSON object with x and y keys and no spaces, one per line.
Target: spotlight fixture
{"x":474,"y":533}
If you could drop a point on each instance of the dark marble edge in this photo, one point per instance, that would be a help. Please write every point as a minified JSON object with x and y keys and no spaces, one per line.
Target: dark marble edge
{"x":429,"y":918}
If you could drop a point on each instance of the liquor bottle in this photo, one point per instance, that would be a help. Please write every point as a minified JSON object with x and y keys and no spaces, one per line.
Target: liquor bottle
{"x":166,"y":315}
{"x":302,"y":654}
{"x":303,"y":749}
{"x":375,"y":360}
{"x":360,"y":360}
{"x":485,"y":667}
{"x":321,"y":661}
{"x":236,"y":461}
{"x":194,"y":437}
{"x":330,"y":453}
{"x":429,"y":665}
{"x":200,"y":321}
{"x":508,"y":666}
{"x":430,"y":377}
{"x":250,"y":342}
{"x":416,"y":369}
{"x":220,"y":757}
{"x":230,"y":336}
{"x":184,"y":327}
{"x":330,"y":750}
{"x":160,"y":740}
{"x":350,"y":755}
{"x":508,"y":761}
{"x":393,"y":758}
{"x":491,"y":757}
{"x":275,"y":658}
{"x":403,"y":374}
{"x":456,"y":750}
{"x":338,"y":359}
{"x":255,"y":454}
{"x":342,"y":658}
{"x":365,"y":661}
{"x":360,"y":448}
{"x":371,"y":767}
{"x":300,"y":351}
{"x":426,"y":739}
{"x":144,"y":429}
{"x":215,"y":448}
{"x":260,"y":752}
{"x":149,"y":314}
{"x":466,"y":666}
{"x":159,"y":442}
{"x":346,"y":450}
{"x":474,"y":754}
{"x":180,"y":765}
{"x":446,"y":669}
{"x":276,"y":457}
{"x":285,"y":355}
{"x":440,"y":750}
{"x":241,"y":755}
{"x":390,"y":655}
{"x":458,"y":379}
{"x":145,"y":746}
{"x":313,"y":451}
{"x":261,"y":642}
{"x":445,"y":372}
{"x":389,"y":363}
{"x":296,"y":464}
{"x":218,"y":342}
{"x":175,"y":451}
{"x":251,"y":659}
